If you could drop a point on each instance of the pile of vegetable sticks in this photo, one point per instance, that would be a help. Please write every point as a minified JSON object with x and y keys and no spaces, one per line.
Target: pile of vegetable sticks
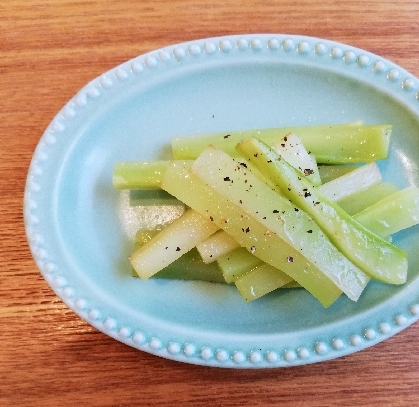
{"x":258,"y":210}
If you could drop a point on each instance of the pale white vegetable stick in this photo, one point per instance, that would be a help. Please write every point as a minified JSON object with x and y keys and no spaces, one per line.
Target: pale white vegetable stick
{"x":216,"y":245}
{"x":172,"y":242}
{"x":293,"y":151}
{"x":351,"y":183}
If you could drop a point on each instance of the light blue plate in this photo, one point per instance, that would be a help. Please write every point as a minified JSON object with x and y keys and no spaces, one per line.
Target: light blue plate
{"x":217,"y":84}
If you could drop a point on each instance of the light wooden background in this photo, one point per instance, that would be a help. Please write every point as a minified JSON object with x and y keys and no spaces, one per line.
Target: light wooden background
{"x":49,"y":356}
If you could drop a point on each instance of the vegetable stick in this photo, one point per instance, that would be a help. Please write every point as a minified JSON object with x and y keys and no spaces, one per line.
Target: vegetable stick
{"x":173,"y":241}
{"x":330,"y":144}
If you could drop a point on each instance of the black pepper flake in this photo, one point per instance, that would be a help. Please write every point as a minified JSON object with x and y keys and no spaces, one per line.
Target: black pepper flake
{"x":178,"y":249}
{"x":211,"y":219}
{"x":252,"y":249}
{"x":309,"y":231}
{"x":227,"y":135}
{"x":308,"y":171}
{"x":296,"y":209}
{"x":282,"y":144}
{"x":247,"y":230}
{"x":243,"y":165}
{"x":264,"y":217}
{"x":240,"y":201}
{"x":256,"y":154}
{"x":269,"y":161}
{"x":275,"y":211}
{"x":227,"y":179}
{"x":290,"y":259}
{"x":285,"y":138}
{"x":289,"y":189}
{"x":166,"y":247}
{"x":306,"y":194}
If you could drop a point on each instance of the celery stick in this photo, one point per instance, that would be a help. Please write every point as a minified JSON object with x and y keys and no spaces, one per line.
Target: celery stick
{"x":330,"y":144}
{"x":236,"y":263}
{"x":330,"y":172}
{"x":216,"y":245}
{"x":393,"y":213}
{"x":378,"y":258}
{"x":236,"y":183}
{"x":138,"y":175}
{"x":351,"y":183}
{"x":187,"y":267}
{"x":260,"y":281}
{"x":178,"y":181}
{"x":173,"y":241}
{"x":363,"y":199}
{"x":292,"y":149}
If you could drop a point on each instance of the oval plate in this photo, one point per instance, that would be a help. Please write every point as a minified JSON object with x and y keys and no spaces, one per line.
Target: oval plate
{"x":130,"y":113}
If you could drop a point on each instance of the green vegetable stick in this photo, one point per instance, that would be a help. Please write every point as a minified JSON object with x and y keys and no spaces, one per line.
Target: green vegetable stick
{"x":393,"y":213}
{"x":236,"y":263}
{"x":260,"y":281}
{"x":380,"y":259}
{"x":180,"y":182}
{"x":138,"y":175}
{"x":330,"y":144}
{"x":363,"y":199}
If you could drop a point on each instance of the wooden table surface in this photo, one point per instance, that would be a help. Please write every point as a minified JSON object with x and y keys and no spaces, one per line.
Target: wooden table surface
{"x":48,"y":355}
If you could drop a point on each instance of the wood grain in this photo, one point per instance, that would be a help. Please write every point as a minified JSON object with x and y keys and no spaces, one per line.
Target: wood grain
{"x":49,"y":356}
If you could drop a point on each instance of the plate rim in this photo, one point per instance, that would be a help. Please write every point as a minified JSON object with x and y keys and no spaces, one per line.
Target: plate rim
{"x":402,"y":86}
